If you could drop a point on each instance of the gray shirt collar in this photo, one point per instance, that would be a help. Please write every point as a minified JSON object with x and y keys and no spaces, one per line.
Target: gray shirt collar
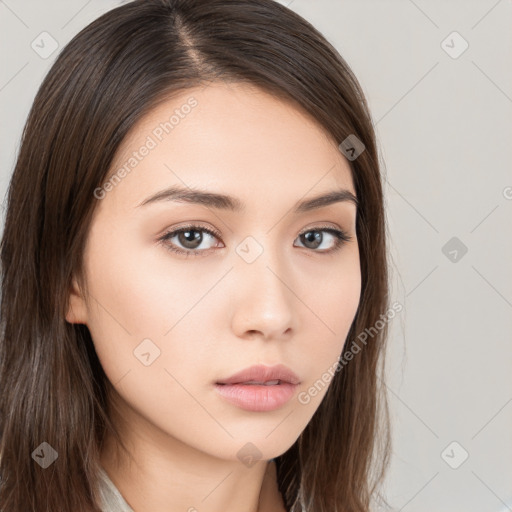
{"x":111,"y":498}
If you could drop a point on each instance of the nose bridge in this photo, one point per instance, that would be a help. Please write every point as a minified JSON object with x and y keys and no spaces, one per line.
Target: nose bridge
{"x":260,"y":259}
{"x":264,"y":301}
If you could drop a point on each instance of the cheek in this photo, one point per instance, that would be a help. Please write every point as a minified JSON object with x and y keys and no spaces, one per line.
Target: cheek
{"x":340,"y":301}
{"x":144,"y":311}
{"x":337,"y":293}
{"x":333,"y":307}
{"x":130,"y":296}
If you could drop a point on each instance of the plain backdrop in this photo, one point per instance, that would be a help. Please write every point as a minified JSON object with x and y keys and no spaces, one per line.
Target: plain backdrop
{"x":438,"y":78}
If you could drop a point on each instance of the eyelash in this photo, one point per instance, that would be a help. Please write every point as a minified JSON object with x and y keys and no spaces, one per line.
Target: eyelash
{"x":341,"y":237}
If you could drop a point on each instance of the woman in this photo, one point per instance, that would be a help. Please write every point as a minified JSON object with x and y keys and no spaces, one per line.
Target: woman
{"x":194,"y":245}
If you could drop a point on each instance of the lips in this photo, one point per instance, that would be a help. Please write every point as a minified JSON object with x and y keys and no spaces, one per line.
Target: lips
{"x":259,"y":388}
{"x":263,"y":376}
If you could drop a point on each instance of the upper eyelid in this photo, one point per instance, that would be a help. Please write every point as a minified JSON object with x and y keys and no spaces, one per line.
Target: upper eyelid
{"x":199,"y":227}
{"x":195,"y":227}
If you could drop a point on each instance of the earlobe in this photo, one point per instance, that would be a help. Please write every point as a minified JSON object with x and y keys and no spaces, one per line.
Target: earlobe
{"x":77,"y":313}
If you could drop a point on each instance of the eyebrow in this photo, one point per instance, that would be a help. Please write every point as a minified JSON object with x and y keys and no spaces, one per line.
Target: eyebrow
{"x":226,"y":202}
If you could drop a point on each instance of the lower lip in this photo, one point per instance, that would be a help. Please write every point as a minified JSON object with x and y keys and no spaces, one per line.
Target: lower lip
{"x":253,"y":397}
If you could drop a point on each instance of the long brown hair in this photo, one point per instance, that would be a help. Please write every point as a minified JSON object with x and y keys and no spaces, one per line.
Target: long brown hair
{"x":53,"y":388}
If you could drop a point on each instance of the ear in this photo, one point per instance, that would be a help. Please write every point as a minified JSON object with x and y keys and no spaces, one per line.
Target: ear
{"x":77,"y":310}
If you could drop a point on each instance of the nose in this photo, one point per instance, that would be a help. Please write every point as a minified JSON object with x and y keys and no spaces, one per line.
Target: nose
{"x":264,"y":301}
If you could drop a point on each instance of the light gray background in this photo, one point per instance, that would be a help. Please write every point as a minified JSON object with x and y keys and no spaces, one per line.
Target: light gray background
{"x":444,"y":126}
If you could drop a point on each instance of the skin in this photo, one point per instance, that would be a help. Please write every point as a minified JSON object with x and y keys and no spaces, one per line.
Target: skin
{"x":293,"y":305}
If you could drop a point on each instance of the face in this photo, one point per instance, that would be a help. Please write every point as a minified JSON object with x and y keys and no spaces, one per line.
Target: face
{"x":252,"y":281}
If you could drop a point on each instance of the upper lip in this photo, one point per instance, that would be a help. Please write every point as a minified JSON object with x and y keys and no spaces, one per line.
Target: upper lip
{"x":261,"y":373}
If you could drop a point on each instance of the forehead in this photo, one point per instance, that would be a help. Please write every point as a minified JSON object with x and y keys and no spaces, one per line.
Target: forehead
{"x":229,"y":137}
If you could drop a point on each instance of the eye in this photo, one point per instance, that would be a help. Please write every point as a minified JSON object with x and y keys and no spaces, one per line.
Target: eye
{"x":189,"y":238}
{"x":313,"y":238}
